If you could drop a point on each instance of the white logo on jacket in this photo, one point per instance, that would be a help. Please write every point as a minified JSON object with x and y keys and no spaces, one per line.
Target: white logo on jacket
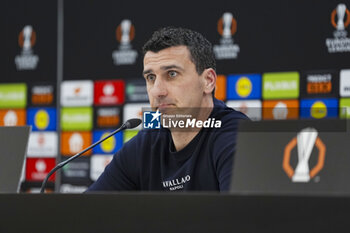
{"x":177,"y":183}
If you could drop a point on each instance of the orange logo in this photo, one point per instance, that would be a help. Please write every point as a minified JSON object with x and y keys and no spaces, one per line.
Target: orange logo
{"x":305,"y":140}
{"x":74,"y":142}
{"x":333,"y":21}
{"x":227,"y":20}
{"x":12,"y":117}
{"x":280,"y":109}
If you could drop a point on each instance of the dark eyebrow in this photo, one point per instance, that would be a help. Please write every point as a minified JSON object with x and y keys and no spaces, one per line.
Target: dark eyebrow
{"x":163,"y":68}
{"x":171,"y":67}
{"x":146,"y":72}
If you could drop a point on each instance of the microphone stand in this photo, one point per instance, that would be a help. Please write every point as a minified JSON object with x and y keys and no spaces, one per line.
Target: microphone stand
{"x":60,"y":165}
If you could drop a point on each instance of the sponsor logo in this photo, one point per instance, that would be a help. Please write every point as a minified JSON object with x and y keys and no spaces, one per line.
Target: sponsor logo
{"x":244,"y":87}
{"x":42,"y":118}
{"x":176,"y":184}
{"x":42,"y":144}
{"x":280,"y":109}
{"x":109,"y":92}
{"x":13,"y":95}
{"x":77,"y":170}
{"x":319,"y":108}
{"x":344,"y":83}
{"x":305,"y":141}
{"x":27,"y":60}
{"x":319,"y":84}
{"x":38,"y":168}
{"x":77,"y":93}
{"x":42,"y":95}
{"x":76,"y":119}
{"x":98,"y":164}
{"x":227,"y":27}
{"x":13,"y":117}
{"x":281,"y":85}
{"x":136,"y":91}
{"x":251,"y":108}
{"x":340,"y":20}
{"x":74,"y":142}
{"x":110,"y":145}
{"x":125,"y":55}
{"x":247,"y":86}
{"x":108,"y":117}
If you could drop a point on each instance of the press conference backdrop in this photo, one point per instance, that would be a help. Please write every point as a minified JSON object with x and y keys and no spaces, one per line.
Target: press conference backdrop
{"x":72,"y":69}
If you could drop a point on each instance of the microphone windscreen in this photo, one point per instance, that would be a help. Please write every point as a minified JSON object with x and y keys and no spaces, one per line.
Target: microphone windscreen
{"x":132,"y":123}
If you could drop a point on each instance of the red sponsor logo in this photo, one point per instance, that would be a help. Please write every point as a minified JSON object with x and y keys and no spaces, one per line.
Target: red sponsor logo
{"x":38,"y":168}
{"x":109,"y":92}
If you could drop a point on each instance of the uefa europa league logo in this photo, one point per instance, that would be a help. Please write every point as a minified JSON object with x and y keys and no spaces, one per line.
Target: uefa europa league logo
{"x":125,"y":33}
{"x":227,"y":27}
{"x":26,"y":40}
{"x":305,"y":140}
{"x":340,"y":19}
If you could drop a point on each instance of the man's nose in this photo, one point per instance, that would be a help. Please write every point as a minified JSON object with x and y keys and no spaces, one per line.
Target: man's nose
{"x":159,"y":88}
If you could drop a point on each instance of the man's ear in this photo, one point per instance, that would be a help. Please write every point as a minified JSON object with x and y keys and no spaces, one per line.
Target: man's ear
{"x":209,"y":80}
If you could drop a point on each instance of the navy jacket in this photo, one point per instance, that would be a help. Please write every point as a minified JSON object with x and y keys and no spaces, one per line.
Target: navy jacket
{"x":150,"y":162}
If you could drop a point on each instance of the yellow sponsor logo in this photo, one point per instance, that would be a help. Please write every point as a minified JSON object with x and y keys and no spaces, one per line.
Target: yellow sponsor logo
{"x":318,"y":110}
{"x":244,"y":87}
{"x":109,"y":144}
{"x":42,"y":119}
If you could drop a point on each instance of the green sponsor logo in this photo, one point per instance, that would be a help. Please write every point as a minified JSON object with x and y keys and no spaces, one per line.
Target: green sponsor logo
{"x":344,"y":108}
{"x":129,"y":134}
{"x":76,"y":119}
{"x":13,"y":95}
{"x":284,"y":85}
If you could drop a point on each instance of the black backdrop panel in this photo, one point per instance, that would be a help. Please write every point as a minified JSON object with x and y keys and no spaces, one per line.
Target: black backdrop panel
{"x":272,"y":35}
{"x":42,"y":17}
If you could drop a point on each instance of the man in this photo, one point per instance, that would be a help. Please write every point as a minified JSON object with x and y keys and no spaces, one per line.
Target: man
{"x":179,"y":69}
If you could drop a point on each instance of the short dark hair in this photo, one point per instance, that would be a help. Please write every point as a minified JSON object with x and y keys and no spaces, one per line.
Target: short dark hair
{"x":201,"y":51}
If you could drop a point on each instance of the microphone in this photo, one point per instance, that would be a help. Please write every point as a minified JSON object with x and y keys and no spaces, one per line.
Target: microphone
{"x":129,"y":124}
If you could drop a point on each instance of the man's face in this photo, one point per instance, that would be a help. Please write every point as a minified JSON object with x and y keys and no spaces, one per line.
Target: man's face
{"x":172,"y":80}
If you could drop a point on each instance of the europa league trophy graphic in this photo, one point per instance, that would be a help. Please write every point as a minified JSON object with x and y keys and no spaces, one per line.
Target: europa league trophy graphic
{"x":306,"y":140}
{"x":125,"y":29}
{"x":227,"y":21}
{"x":341,"y":8}
{"x":27,"y":34}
